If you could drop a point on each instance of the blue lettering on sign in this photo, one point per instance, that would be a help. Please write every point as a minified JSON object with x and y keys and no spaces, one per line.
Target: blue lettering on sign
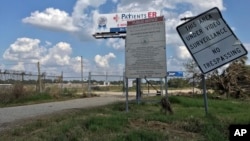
{"x":175,"y":73}
{"x":118,"y":30}
{"x":133,"y":16}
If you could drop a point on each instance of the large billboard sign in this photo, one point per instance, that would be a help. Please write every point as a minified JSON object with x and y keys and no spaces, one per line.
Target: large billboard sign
{"x":210,"y":40}
{"x":117,"y":22}
{"x":145,"y":51}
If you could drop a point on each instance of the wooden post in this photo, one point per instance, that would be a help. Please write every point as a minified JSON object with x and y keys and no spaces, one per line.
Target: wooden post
{"x":39,"y":77}
{"x":82,"y":73}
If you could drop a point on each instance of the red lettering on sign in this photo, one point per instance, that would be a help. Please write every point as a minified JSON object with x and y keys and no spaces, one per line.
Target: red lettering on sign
{"x":151,"y":14}
{"x":116,"y":18}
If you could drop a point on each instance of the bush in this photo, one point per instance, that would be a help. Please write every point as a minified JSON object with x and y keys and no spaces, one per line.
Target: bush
{"x":53,"y":91}
{"x":18,"y":90}
{"x":69,"y":92}
{"x":12,"y":93}
{"x":98,"y":88}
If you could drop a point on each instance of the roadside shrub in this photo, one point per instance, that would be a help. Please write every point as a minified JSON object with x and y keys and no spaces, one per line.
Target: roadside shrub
{"x":5,"y":95}
{"x":69,"y":92}
{"x":18,"y":90}
{"x":54,"y":91}
{"x":98,"y":88}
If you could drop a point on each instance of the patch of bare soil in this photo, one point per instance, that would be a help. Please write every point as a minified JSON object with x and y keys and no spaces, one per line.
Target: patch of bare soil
{"x":173,"y":133}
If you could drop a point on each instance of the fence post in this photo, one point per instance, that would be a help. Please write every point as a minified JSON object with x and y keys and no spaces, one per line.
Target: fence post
{"x":61,"y":81}
{"x":106,"y":83}
{"x":82,"y":74}
{"x":39,"y":77}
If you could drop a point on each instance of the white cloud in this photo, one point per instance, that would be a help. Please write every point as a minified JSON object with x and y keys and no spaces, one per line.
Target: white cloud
{"x":116,"y":43}
{"x":182,"y":53}
{"x":138,"y":5}
{"x":24,"y":48}
{"x":18,"y":67}
{"x":205,"y":5}
{"x":53,"y":19}
{"x":82,"y":18}
{"x":48,"y":43}
{"x":195,"y":5}
{"x":58,"y":55}
{"x":174,"y":64}
{"x":79,"y":23}
{"x":247,"y":46}
{"x":26,"y":52}
{"x":103,"y":61}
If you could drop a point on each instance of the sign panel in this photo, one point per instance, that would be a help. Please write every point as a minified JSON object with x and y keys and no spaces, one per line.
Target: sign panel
{"x":117,"y":22}
{"x":210,"y":40}
{"x":175,"y":73}
{"x":145,"y":52}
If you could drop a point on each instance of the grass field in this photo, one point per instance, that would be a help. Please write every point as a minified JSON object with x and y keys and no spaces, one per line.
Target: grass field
{"x":143,"y":122}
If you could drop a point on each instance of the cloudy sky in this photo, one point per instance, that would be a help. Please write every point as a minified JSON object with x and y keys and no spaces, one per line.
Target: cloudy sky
{"x":58,"y":32}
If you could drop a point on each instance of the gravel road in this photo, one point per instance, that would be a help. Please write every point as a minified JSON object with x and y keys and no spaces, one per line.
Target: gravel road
{"x":12,"y":114}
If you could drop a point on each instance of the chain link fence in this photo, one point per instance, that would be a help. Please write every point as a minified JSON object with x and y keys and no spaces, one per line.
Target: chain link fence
{"x":92,"y":83}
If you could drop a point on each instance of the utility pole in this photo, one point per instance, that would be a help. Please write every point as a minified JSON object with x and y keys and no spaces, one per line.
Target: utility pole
{"x":39,"y":77}
{"x":89,"y":84}
{"x":82,"y":73}
{"x":61,"y":81}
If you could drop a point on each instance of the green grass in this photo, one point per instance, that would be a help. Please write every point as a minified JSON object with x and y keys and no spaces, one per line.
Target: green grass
{"x":143,"y":122}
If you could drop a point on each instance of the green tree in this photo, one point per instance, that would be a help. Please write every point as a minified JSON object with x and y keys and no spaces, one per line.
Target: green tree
{"x":194,"y":73}
{"x":178,"y":83}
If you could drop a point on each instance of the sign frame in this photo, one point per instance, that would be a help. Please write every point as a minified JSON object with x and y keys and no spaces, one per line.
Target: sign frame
{"x":145,"y":51}
{"x":117,"y":22}
{"x":199,"y":37}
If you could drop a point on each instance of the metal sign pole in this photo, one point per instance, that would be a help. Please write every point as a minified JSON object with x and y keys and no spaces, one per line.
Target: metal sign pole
{"x":137,"y":90}
{"x":166,"y":86}
{"x":126,"y":94}
{"x":204,"y":92}
{"x":203,"y":80}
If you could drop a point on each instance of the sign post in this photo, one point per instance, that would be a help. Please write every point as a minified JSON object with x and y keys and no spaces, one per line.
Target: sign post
{"x":211,"y":42}
{"x":145,"y":49}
